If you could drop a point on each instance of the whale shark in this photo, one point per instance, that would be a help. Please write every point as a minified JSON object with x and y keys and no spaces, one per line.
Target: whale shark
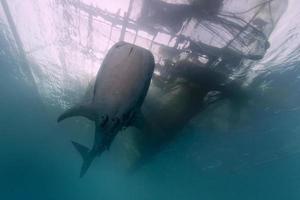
{"x":119,"y":91}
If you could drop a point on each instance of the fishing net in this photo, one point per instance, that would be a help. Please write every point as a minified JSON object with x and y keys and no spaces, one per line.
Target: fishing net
{"x":64,"y":41}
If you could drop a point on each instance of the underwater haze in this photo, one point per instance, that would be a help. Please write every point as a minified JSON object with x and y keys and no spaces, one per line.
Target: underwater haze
{"x":256,"y":158}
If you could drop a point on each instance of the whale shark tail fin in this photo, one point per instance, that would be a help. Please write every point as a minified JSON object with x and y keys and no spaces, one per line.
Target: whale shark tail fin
{"x":79,"y":110}
{"x":87,"y":156}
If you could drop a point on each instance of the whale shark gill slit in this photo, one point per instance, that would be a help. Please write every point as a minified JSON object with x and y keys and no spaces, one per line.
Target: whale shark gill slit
{"x":130,"y":51}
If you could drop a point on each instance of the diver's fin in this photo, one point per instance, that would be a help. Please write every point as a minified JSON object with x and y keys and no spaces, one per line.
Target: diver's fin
{"x":87,"y":157}
{"x":80,"y":110}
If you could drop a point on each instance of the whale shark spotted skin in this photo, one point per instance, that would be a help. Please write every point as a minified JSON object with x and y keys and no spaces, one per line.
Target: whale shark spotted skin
{"x":119,"y":91}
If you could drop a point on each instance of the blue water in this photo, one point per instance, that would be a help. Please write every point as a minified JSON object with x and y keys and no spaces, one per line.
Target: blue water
{"x":38,"y":162}
{"x":259,"y":159}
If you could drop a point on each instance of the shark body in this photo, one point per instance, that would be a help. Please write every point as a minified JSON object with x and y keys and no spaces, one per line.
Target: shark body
{"x":120,"y":88}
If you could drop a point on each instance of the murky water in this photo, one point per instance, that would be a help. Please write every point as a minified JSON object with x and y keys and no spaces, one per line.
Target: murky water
{"x":258,"y":158}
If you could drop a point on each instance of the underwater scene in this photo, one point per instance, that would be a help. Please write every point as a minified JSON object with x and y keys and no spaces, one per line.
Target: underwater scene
{"x":150,"y":99}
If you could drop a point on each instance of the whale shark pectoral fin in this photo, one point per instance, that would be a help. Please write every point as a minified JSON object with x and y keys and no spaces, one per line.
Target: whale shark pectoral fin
{"x":87,"y":157}
{"x":79,"y":110}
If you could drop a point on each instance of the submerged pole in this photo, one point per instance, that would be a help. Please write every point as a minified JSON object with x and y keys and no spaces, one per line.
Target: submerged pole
{"x":126,"y":18}
{"x":26,"y":67}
